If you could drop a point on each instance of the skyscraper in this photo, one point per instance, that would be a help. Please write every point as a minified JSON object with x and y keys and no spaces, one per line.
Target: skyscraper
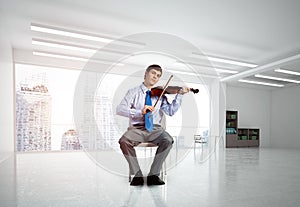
{"x":70,"y":140}
{"x":95,"y":118}
{"x":33,"y":114}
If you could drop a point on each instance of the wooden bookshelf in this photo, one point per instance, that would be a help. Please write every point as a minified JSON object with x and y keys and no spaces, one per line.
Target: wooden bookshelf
{"x":231,"y":128}
{"x":239,"y":137}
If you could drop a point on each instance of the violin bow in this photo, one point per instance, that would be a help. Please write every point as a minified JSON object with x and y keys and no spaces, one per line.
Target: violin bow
{"x":164,"y":89}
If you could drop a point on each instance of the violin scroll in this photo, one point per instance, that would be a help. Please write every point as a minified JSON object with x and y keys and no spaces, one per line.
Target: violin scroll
{"x":194,"y":90}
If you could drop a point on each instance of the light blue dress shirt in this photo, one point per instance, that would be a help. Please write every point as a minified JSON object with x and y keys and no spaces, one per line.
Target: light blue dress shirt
{"x":132,"y":104}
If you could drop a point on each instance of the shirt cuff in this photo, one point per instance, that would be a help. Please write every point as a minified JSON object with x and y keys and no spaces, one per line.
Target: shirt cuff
{"x":179,"y":96}
{"x":135,"y":113}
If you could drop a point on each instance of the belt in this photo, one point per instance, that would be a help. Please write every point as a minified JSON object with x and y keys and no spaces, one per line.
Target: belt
{"x":140,"y":125}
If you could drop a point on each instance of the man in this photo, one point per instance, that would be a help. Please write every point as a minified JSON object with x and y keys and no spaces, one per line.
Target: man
{"x":133,"y":106}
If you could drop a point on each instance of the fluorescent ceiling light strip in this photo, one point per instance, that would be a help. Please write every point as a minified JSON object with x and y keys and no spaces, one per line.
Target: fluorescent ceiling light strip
{"x":287,"y":71}
{"x":48,"y":30}
{"x":226,"y":71}
{"x":232,"y":62}
{"x":211,"y":67}
{"x":193,"y":74}
{"x":182,"y":72}
{"x":62,"y":46}
{"x":45,"y":54}
{"x":79,"y":35}
{"x":260,"y":83}
{"x":60,"y":56}
{"x":73,"y":47}
{"x":223,"y":60}
{"x":276,"y":78}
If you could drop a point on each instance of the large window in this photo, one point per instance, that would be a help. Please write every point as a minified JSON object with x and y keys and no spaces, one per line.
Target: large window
{"x":175,"y":123}
{"x":44,"y":100}
{"x":44,"y":111}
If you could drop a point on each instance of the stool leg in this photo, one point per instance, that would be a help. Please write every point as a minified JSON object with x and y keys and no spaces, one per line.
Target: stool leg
{"x":164,"y":170}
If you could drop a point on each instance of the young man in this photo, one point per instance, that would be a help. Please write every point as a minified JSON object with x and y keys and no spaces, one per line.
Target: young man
{"x":133,"y":106}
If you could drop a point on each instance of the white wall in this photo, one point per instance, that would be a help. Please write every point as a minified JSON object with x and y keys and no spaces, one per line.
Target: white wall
{"x":7,"y":96}
{"x":222,"y":112}
{"x":253,"y":108}
{"x":218,"y":103}
{"x":285,"y":118}
{"x":7,"y":157}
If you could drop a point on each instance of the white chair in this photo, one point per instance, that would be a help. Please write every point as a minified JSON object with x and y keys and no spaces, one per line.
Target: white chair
{"x":199,"y":139}
{"x":146,"y":145}
{"x":151,"y":145}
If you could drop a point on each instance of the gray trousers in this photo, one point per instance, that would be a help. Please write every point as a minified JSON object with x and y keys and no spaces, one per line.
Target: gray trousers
{"x":136,"y":135}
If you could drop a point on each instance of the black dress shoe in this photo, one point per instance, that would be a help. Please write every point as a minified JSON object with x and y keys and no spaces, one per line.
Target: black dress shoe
{"x":154,"y":180}
{"x":137,"y":179}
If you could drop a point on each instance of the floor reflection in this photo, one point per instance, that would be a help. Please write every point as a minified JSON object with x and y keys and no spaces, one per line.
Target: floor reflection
{"x":229,"y":177}
{"x":147,"y":196}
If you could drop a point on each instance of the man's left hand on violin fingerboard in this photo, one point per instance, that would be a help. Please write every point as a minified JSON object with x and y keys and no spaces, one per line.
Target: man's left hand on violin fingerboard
{"x":184,"y":90}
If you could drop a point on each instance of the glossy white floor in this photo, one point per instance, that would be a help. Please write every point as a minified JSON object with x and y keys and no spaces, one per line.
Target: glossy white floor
{"x":230,"y":177}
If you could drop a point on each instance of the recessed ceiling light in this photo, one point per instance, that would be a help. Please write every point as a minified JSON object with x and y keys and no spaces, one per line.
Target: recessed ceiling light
{"x":287,"y":71}
{"x":277,"y":78}
{"x":223,"y":60}
{"x":261,"y":83}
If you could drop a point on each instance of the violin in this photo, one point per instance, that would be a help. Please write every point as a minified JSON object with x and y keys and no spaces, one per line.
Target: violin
{"x":159,"y":90}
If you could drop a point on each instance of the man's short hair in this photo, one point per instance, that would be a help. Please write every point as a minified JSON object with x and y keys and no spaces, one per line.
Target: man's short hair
{"x":155,"y":67}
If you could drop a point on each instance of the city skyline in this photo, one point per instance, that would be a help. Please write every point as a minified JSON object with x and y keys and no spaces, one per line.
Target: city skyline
{"x":102,"y":127}
{"x":33,"y":124}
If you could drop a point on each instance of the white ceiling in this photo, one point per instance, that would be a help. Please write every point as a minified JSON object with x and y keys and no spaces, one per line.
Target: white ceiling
{"x":263,"y":32}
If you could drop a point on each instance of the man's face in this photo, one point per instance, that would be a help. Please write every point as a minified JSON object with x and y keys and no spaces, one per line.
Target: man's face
{"x":152,"y":77}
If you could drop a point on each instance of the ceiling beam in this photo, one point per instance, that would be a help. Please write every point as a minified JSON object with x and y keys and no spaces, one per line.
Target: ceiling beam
{"x":262,"y":68}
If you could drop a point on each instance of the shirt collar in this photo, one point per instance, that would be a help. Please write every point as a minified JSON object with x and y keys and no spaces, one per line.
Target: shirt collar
{"x":144,"y":88}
